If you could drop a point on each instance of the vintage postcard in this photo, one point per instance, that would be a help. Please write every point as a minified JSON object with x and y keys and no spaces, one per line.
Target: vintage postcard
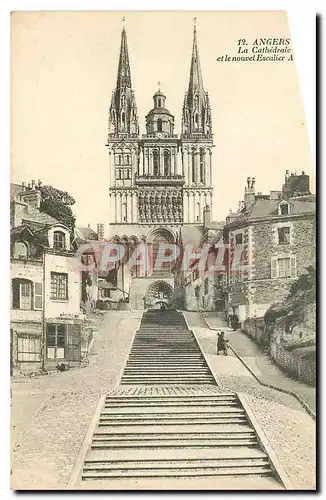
{"x":163,"y":273}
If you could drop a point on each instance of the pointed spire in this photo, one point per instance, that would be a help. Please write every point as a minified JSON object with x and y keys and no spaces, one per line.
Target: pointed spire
{"x":195,"y":79}
{"x":196,"y":113}
{"x":123,"y":118}
{"x":124,"y":79}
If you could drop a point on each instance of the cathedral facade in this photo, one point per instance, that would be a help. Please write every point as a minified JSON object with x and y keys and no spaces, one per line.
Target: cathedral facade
{"x":160,"y":181}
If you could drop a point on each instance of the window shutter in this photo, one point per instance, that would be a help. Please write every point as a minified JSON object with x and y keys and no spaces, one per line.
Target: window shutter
{"x":274,"y":268}
{"x":38,"y":296}
{"x":73,"y":342}
{"x":293,"y":265}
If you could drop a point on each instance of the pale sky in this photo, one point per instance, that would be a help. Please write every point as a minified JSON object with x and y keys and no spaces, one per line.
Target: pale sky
{"x":64,"y":68}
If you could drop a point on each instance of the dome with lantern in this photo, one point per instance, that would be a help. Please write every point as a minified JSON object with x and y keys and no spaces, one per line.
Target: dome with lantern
{"x":159,"y":120}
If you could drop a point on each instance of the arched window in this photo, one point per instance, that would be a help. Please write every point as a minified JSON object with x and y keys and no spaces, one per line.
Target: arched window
{"x":167,"y":163}
{"x":124,"y":212}
{"x":123,"y":118}
{"x":119,"y":160}
{"x":193,"y":165}
{"x":59,"y":240}
{"x":159,"y":125}
{"x":196,"y":120}
{"x":156,"y":164}
{"x":198,"y":212}
{"x":20,"y":250}
{"x":159,"y":103}
{"x":128,"y":159}
{"x":202,"y":166}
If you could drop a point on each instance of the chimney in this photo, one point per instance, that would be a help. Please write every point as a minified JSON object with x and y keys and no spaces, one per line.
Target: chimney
{"x":23,"y":186}
{"x":89,"y":226}
{"x":249,"y":196}
{"x":100,"y":231}
{"x":207,"y":215}
{"x":296,"y":185}
{"x":31,"y":197}
{"x":33,"y":184}
{"x":39,"y":183}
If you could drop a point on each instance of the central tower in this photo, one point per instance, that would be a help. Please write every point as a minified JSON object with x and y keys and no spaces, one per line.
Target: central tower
{"x":159,"y":179}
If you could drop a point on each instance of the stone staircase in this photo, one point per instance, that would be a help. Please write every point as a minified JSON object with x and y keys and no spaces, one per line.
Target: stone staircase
{"x":168,"y":426}
{"x":165,"y":352}
{"x":173,"y":437}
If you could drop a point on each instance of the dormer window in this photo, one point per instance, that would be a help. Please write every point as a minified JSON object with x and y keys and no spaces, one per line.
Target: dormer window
{"x":284,"y":208}
{"x":20,"y":250}
{"x":59,"y":240}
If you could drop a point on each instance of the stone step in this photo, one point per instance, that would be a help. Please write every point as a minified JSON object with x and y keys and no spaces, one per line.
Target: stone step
{"x":170,"y":412}
{"x":186,"y":472}
{"x":166,"y":356}
{"x":174,"y":464}
{"x":171,"y":399}
{"x":173,"y":443}
{"x":167,"y":404}
{"x":236,"y":452}
{"x":165,"y":362}
{"x":185,"y":369}
{"x":171,"y":438}
{"x":166,"y":376}
{"x":149,"y":382}
{"x":168,"y":431}
{"x":173,"y":410}
{"x":227,"y":419}
{"x":193,"y":483}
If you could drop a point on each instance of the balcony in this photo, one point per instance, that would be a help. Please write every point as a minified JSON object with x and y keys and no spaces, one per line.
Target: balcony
{"x":157,"y":180}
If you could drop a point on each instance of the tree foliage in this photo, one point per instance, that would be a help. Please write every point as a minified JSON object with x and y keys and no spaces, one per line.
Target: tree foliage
{"x":291,"y":312}
{"x":57,"y":204}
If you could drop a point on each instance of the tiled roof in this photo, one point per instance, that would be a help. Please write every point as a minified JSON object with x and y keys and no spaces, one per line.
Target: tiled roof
{"x":33,"y":215}
{"x":268,"y":208}
{"x":215,"y":225}
{"x":192,"y":235}
{"x":86,"y":233}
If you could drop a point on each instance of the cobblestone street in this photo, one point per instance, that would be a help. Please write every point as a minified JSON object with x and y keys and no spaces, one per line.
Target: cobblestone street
{"x":52,"y":413}
{"x":262,"y":365}
{"x":287,"y":426}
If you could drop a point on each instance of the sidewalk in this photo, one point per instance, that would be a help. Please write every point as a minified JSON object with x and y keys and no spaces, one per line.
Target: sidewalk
{"x":261,"y":364}
{"x":51,"y":413}
{"x":289,"y":429}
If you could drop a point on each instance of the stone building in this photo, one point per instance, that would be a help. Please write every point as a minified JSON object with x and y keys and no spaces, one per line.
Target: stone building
{"x":271,"y":241}
{"x":160,"y":181}
{"x":204,"y":281}
{"x":45,"y":286}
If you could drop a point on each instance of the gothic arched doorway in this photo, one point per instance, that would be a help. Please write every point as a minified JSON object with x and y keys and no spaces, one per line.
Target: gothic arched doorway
{"x":157,"y":293}
{"x":159,"y":242}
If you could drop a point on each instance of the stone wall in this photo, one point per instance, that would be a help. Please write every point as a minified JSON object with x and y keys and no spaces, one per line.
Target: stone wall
{"x":265,"y":244}
{"x":261,"y":290}
{"x":295,"y":366}
{"x":254,"y":328}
